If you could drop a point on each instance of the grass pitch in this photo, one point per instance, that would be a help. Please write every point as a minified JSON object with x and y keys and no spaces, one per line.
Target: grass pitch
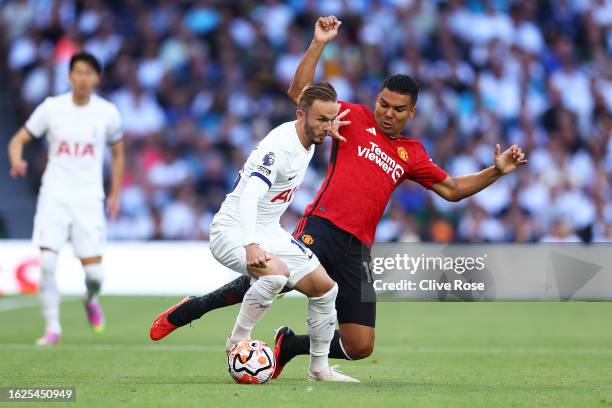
{"x":427,"y":355}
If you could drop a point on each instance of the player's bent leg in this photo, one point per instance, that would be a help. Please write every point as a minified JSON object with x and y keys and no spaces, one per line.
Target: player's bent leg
{"x":193,"y":307}
{"x":94,"y":276}
{"x":259,"y":297}
{"x":356,"y":320}
{"x":356,"y":340}
{"x":320,"y":319}
{"x":49,"y":297}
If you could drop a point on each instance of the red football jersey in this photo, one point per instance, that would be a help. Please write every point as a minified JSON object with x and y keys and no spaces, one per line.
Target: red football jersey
{"x":363,"y":172}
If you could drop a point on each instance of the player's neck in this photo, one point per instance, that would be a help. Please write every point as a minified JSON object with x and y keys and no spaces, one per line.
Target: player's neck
{"x":80,"y":100}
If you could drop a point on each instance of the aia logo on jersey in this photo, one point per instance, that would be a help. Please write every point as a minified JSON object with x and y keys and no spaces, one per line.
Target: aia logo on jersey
{"x":268,"y":159}
{"x":74,"y":149}
{"x":387,"y":163}
{"x":403,"y":154}
{"x":285,"y":196}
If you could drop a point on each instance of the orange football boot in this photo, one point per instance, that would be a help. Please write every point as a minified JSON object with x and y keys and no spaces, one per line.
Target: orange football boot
{"x":161,"y":327}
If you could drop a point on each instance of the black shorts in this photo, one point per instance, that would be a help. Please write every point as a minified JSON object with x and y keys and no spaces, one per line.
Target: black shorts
{"x":341,"y":254}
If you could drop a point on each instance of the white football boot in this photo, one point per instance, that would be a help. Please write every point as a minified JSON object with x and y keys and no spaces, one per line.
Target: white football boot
{"x":229,"y":346}
{"x":330,"y":375}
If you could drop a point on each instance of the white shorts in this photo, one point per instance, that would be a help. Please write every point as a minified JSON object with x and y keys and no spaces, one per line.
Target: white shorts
{"x":226,"y":247}
{"x":82,"y":223}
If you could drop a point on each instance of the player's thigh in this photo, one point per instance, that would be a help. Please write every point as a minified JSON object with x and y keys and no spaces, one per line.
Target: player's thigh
{"x":355,"y":311}
{"x":88,"y":232}
{"x":300,"y":260}
{"x":275,"y":266}
{"x":316,"y":283}
{"x":51,"y":224}
{"x":226,"y":247}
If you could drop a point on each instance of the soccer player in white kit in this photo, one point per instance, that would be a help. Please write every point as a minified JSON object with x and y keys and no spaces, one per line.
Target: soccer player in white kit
{"x":246,"y":235}
{"x":70,"y":207}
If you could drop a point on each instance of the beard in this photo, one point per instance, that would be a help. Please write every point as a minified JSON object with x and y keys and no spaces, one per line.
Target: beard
{"x":311,"y":135}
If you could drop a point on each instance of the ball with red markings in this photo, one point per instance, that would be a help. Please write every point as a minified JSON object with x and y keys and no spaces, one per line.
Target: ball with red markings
{"x":251,"y":362}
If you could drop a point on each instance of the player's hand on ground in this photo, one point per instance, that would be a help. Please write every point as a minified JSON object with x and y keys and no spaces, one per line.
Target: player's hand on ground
{"x":326,"y":29}
{"x":112,"y":206}
{"x":256,"y":256}
{"x":19,"y":169}
{"x":337,"y":123}
{"x":509,"y":160}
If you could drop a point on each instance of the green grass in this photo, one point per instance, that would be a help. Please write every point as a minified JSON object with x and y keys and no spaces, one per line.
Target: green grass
{"x":427,"y":355}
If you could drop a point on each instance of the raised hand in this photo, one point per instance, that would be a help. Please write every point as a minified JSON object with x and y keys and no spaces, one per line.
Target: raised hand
{"x":509,"y":160}
{"x":337,"y":123}
{"x":326,"y":29}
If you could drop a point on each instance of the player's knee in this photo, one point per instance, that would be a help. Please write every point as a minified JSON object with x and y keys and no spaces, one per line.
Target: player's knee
{"x":269,"y":286}
{"x":48,"y":261}
{"x":358,"y":349}
{"x":94,"y":272}
{"x":91,"y":261}
{"x":276,"y":267}
{"x":326,"y":302}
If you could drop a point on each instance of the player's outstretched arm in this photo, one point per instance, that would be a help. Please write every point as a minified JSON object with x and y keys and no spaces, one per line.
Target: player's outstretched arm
{"x":326,"y":29}
{"x":19,"y":167}
{"x":117,"y":166}
{"x":458,"y":188}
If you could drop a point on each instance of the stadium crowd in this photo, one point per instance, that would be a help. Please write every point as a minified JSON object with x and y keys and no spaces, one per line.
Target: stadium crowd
{"x":198,"y":83}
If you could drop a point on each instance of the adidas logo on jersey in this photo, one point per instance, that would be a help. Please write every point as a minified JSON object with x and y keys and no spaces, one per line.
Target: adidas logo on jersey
{"x":371,"y":130}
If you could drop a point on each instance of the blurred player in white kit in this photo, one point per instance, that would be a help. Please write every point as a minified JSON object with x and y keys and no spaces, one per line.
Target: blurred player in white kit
{"x":78,"y":125}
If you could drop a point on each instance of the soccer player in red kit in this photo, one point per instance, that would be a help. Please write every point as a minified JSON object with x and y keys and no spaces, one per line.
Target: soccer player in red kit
{"x":340,"y":224}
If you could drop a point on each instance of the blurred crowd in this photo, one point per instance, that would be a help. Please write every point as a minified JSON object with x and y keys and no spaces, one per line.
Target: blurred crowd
{"x":198,"y":83}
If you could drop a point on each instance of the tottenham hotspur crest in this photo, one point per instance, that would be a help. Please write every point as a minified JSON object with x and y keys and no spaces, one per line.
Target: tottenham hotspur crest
{"x":268,"y":159}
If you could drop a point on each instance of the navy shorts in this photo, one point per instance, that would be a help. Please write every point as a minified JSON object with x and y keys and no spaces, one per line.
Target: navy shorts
{"x":342,"y":255}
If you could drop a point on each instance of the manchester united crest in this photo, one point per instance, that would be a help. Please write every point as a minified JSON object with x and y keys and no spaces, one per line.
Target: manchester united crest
{"x":403,"y":154}
{"x":307,"y":239}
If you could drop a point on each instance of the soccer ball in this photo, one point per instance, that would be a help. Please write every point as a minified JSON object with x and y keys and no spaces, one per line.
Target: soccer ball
{"x":251,"y":362}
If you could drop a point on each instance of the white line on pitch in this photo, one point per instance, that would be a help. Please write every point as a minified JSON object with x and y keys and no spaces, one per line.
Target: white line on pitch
{"x":398,"y":349}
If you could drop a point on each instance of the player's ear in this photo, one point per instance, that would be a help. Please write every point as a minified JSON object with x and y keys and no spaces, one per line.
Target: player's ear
{"x":412,"y":112}
{"x":300,"y":115}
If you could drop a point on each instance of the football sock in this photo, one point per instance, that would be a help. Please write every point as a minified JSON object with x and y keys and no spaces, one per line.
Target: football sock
{"x":321,"y":321}
{"x":94,"y":275}
{"x":227,"y":295}
{"x":297,"y":345}
{"x":48,"y":291}
{"x":256,"y":301}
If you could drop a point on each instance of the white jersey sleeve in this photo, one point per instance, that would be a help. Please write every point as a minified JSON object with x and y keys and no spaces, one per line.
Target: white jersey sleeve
{"x":267,"y":164}
{"x":114,"y":133}
{"x":38,"y":123}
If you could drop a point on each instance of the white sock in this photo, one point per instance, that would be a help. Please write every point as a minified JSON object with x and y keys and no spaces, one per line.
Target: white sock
{"x":256,"y":301}
{"x":48,"y":291}
{"x":94,"y":275}
{"x":321,"y":321}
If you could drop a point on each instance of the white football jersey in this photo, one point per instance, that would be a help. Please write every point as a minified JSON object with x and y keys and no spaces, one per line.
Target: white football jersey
{"x":281,"y":161}
{"x":77,"y":136}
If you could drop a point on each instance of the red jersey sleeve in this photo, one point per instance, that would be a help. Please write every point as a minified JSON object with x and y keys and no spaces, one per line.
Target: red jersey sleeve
{"x":425,"y":171}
